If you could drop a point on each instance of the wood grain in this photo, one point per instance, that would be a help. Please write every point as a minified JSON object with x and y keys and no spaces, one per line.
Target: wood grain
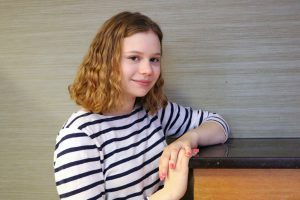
{"x":248,"y":184}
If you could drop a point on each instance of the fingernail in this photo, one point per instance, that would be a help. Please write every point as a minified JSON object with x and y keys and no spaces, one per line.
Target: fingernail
{"x":172,"y":165}
{"x":188,"y":154}
{"x":195,"y":150}
{"x":161,"y":178}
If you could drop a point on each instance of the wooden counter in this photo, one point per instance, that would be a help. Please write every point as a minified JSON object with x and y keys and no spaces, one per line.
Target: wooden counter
{"x":246,"y":169}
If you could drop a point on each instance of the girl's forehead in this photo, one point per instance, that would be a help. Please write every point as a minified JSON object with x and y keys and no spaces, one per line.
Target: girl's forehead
{"x":142,"y":41}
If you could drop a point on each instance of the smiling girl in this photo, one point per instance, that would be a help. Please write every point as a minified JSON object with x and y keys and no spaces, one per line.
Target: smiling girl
{"x":114,"y":146}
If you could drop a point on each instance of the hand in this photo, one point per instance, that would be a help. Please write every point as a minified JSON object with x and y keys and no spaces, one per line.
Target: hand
{"x":176,"y":181}
{"x":170,"y":154}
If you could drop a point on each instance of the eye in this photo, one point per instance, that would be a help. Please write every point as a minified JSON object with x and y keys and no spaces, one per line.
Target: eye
{"x":134,"y":58}
{"x":155,"y":60}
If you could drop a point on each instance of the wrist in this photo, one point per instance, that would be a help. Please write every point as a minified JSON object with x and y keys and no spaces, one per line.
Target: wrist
{"x":192,"y":137}
{"x":161,"y":194}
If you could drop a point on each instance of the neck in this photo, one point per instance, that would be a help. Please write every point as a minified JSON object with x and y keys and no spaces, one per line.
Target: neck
{"x":125,"y":108}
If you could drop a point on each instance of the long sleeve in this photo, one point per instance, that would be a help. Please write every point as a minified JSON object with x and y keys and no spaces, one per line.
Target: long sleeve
{"x":77,"y":166}
{"x":176,"y":119}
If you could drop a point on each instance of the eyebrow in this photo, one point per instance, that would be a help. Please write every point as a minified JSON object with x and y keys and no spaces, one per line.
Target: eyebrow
{"x":138,"y":52}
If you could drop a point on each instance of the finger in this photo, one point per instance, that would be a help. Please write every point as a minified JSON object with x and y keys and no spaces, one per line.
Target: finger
{"x":183,"y":160}
{"x":195,"y":151}
{"x":163,"y":165}
{"x":188,"y":150}
{"x":173,"y":157}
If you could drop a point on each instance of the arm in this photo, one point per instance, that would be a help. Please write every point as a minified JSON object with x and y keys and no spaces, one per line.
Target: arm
{"x":208,"y":133}
{"x":77,"y":166}
{"x":181,"y":150}
{"x":193,"y":128}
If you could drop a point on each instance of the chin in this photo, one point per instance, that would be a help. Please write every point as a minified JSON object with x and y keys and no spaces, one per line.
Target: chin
{"x":141,"y":94}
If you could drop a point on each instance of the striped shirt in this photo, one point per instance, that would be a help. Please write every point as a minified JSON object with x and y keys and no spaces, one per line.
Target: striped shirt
{"x":116,"y":157}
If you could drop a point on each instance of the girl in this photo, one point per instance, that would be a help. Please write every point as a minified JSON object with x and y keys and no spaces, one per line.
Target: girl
{"x":115,"y":146}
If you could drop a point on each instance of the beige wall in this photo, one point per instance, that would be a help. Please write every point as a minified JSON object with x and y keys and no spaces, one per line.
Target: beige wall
{"x":239,"y":58}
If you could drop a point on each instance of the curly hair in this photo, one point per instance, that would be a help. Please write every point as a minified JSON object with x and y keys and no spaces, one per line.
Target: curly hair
{"x":97,"y":85}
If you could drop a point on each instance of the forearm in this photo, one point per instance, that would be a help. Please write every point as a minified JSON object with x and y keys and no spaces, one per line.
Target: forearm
{"x":160,"y":194}
{"x":208,"y":133}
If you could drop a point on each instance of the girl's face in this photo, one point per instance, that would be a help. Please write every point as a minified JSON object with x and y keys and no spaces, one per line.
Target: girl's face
{"x":140,"y":64}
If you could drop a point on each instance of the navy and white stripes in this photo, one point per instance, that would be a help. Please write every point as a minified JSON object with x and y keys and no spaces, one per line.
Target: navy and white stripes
{"x":116,"y":157}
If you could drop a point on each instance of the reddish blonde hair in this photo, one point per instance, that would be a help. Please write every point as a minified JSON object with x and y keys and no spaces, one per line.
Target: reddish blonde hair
{"x":96,"y":86}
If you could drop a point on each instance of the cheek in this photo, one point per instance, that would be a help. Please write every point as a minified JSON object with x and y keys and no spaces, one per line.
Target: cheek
{"x":126,"y":70}
{"x":157,"y":72}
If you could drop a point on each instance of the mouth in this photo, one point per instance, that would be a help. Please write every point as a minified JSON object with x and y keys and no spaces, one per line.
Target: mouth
{"x":143,"y":82}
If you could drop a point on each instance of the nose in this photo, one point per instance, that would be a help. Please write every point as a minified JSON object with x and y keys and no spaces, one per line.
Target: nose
{"x":146,"y":68}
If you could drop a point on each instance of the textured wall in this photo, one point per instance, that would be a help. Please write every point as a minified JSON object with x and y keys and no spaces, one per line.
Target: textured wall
{"x":239,"y":58}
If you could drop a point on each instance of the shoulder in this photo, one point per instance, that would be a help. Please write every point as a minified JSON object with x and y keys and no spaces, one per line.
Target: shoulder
{"x":79,"y":118}
{"x":93,"y":124}
{"x":168,"y":108}
{"x":82,"y":121}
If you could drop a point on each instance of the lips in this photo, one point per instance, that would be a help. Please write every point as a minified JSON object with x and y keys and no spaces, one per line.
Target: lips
{"x":143,"y":82}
